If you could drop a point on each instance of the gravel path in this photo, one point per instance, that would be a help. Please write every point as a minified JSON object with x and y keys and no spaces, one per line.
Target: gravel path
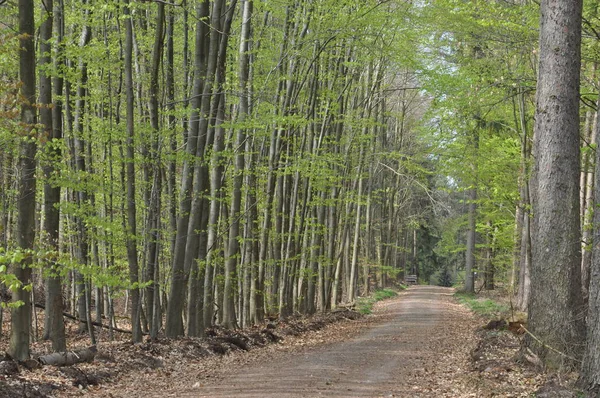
{"x":419,"y":348}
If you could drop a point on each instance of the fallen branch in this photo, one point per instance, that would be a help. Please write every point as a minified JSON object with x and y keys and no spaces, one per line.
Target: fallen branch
{"x":69,"y":358}
{"x":547,"y":346}
{"x":67,"y":315}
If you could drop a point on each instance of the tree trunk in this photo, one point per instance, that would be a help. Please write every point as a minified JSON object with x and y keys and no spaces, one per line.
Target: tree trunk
{"x":588,"y":206}
{"x":155,"y":186}
{"x":25,"y":233}
{"x":51,"y":119}
{"x":590,"y":369}
{"x":490,"y":268}
{"x":131,"y":239}
{"x":472,"y":231}
{"x":69,"y":358}
{"x":555,"y":307}
{"x":180,"y":269}
{"x":233,"y":251}
{"x":525,"y":261}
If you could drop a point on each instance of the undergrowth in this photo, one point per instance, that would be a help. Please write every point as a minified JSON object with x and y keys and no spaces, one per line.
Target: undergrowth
{"x":481,"y":306}
{"x":365,"y":304}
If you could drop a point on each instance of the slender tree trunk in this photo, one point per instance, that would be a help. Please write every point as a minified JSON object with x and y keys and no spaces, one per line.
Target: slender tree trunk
{"x":180,"y":268}
{"x":25,"y":233}
{"x":233,"y":252}
{"x":218,"y":107}
{"x":81,"y":194}
{"x":352,"y":288}
{"x":588,"y":213}
{"x":525,"y":259}
{"x":489,"y":258}
{"x":590,"y":369}
{"x":472,"y":229}
{"x":51,"y":119}
{"x":131,"y":239}
{"x":153,"y":216}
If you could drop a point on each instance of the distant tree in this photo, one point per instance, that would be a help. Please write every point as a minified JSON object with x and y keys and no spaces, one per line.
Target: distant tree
{"x":590,"y":369}
{"x":445,"y":278}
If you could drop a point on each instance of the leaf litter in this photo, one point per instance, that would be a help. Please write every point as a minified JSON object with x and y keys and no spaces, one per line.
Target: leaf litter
{"x":460,"y":359}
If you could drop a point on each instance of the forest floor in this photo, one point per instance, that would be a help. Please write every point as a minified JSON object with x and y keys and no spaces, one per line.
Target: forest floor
{"x":422,"y":343}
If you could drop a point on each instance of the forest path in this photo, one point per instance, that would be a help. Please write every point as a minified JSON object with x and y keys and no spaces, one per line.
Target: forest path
{"x":418,"y":348}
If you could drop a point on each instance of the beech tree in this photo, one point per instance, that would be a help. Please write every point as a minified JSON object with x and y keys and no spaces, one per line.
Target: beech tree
{"x":25,"y":231}
{"x":322,"y":158}
{"x":51,"y":119}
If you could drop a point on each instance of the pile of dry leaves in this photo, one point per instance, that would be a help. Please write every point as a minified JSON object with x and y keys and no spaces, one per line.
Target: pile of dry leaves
{"x":120,"y":358}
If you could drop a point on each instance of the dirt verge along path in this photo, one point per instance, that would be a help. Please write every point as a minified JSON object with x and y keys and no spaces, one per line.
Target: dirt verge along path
{"x":420,"y":349}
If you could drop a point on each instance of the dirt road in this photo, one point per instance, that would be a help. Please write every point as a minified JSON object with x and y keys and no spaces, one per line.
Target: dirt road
{"x":418,"y":349}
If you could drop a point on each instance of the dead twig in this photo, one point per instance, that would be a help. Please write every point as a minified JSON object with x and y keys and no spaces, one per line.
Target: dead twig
{"x":548,"y":347}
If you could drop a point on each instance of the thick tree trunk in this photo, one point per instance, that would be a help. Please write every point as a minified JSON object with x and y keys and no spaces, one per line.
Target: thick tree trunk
{"x":555,"y":308}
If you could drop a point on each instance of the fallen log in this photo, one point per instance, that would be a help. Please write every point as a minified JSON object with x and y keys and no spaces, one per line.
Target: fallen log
{"x":69,"y":358}
{"x":67,"y":315}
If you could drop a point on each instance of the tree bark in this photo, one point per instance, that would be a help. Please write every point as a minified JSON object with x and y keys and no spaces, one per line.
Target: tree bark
{"x":590,"y":369}
{"x":555,"y":308}
{"x":51,"y":119}
{"x":131,"y":239}
{"x":68,"y":358}
{"x":472,"y":226}
{"x":155,"y":186}
{"x":180,"y":270}
{"x":233,"y":244}
{"x":25,"y":233}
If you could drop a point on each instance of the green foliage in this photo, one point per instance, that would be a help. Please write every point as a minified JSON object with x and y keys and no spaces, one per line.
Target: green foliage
{"x":365,"y":304}
{"x":475,"y":126}
{"x":444,"y":278}
{"x":9,"y":279}
{"x":481,"y":306}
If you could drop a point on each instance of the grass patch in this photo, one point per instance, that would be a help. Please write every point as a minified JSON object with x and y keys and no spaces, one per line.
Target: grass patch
{"x":365,"y":304}
{"x":481,"y":306}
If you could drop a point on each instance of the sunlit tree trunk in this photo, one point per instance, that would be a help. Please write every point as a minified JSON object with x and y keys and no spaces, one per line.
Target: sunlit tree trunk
{"x":131,"y":240}
{"x":233,"y":251}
